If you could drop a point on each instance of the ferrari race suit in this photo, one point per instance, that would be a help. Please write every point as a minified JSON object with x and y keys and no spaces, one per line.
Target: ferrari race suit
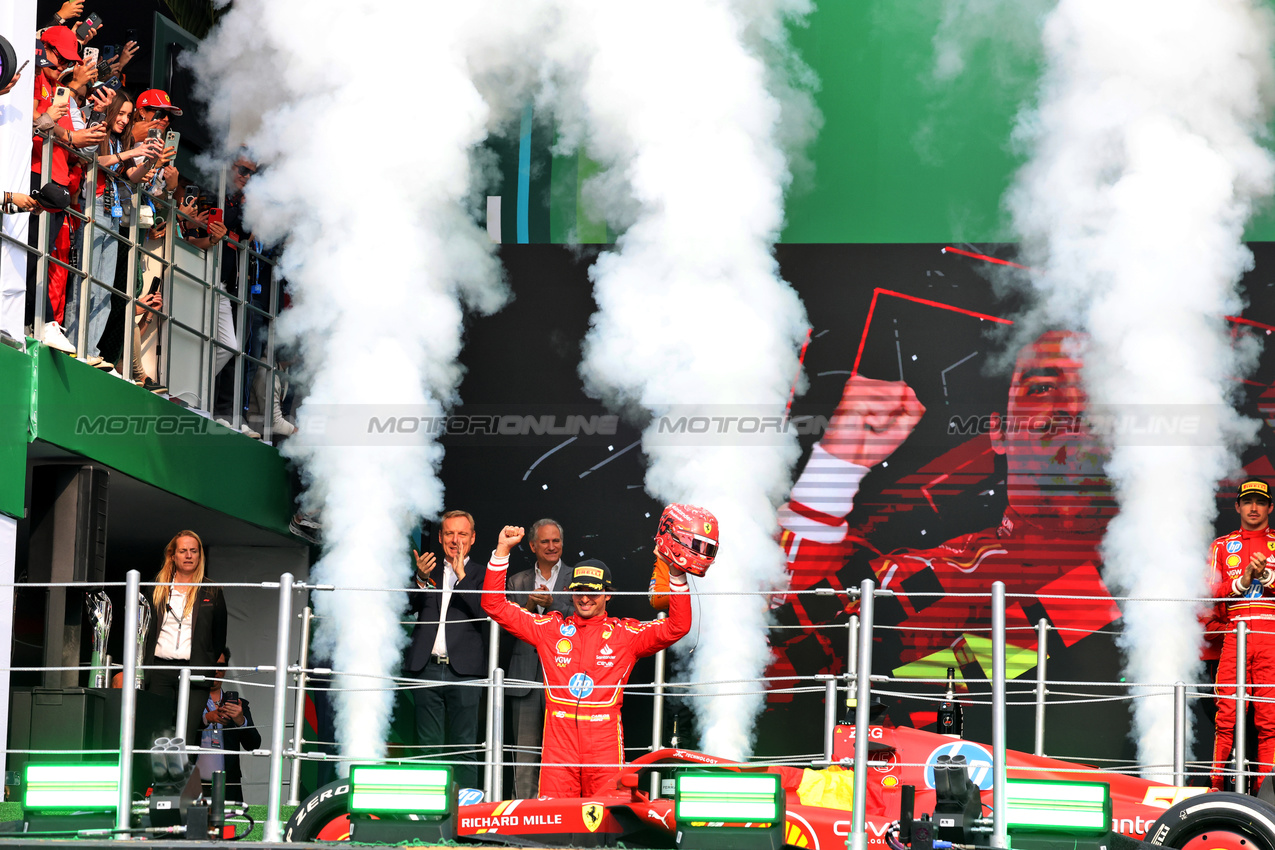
{"x":586,"y":664}
{"x":1228,"y":559}
{"x":942,"y":601}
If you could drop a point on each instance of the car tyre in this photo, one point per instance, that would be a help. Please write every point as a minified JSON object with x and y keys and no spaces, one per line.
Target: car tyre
{"x":323,"y":816}
{"x":1247,"y":820}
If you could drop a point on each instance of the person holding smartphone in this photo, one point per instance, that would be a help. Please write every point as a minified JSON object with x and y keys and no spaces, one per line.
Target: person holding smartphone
{"x":121,"y":166}
{"x":59,"y":53}
{"x":228,"y":727}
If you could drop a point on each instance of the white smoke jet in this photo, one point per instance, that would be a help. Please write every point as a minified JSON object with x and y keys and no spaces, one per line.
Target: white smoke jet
{"x":369,"y":176}
{"x":1145,"y":164}
{"x":693,"y":318}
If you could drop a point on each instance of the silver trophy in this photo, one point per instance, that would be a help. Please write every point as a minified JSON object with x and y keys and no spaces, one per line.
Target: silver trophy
{"x":99,"y":608}
{"x":143,"y":624}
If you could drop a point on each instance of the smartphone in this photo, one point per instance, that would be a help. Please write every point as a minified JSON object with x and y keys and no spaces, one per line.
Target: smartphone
{"x":91,"y":22}
{"x":230,"y":696}
{"x":154,"y":287}
{"x":89,"y":56}
{"x":21,"y":67}
{"x":173,"y":140}
{"x":61,"y":95}
{"x":152,"y":133}
{"x":216,"y":215}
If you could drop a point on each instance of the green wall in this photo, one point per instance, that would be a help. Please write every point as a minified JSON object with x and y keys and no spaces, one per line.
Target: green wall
{"x":902,"y":157}
{"x":16,"y":370}
{"x":48,"y":396}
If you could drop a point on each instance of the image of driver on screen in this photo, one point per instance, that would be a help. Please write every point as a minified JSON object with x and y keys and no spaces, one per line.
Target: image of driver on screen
{"x":1045,"y":544}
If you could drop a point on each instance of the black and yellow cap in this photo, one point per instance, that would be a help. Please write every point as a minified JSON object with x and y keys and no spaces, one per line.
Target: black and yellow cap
{"x":1254,"y":487}
{"x":592,"y":575}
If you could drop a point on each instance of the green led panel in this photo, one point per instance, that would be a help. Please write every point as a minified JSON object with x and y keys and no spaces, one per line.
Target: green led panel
{"x":80,"y":787}
{"x":385,"y":790}
{"x":1058,"y":806}
{"x":728,"y":797}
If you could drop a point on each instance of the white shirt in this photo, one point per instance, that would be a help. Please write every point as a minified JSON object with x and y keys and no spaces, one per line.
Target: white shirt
{"x":545,"y":585}
{"x":174,"y":634}
{"x":449,"y":582}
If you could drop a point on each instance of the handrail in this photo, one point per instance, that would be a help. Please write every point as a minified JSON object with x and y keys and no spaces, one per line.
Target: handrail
{"x":172,"y":321}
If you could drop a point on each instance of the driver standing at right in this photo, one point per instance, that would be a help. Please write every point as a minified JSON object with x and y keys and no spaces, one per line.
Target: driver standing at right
{"x":1240,"y":572}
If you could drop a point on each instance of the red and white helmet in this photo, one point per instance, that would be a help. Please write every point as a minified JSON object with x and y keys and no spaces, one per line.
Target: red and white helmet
{"x":687,"y":538}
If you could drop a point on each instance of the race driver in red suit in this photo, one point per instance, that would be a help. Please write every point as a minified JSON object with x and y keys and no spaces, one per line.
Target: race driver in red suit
{"x":1240,"y":566}
{"x":587,"y":658}
{"x":1045,"y":546}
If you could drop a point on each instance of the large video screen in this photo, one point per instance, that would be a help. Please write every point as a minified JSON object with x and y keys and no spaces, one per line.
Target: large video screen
{"x":969,"y":493}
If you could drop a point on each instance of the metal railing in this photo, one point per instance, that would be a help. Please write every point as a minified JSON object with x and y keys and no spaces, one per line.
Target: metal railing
{"x":188,"y":330}
{"x":858,"y":680}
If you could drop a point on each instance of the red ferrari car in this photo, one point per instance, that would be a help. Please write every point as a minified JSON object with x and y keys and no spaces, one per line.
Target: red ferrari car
{"x":818,"y":815}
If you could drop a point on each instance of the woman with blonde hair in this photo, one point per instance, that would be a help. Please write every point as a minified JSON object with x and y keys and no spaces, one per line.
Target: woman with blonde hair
{"x":188,"y":626}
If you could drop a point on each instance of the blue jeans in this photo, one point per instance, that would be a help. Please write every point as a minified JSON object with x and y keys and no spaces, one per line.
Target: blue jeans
{"x":105,"y":250}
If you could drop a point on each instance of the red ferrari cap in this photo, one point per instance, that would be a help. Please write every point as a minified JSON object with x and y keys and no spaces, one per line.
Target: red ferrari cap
{"x":157,"y":99}
{"x":63,"y":41}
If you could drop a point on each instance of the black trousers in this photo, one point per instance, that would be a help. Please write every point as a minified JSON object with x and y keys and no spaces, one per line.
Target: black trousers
{"x":447,"y":720}
{"x":164,"y":682}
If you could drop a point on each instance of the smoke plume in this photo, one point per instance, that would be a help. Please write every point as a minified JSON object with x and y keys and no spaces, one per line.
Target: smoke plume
{"x":1145,"y":163}
{"x":693,"y":317}
{"x":369,"y":175}
{"x":678,"y":103}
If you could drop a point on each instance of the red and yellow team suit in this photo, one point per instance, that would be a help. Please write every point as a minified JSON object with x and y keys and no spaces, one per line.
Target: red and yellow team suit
{"x":1255,"y":605}
{"x":586,"y":665}
{"x":940,"y":614}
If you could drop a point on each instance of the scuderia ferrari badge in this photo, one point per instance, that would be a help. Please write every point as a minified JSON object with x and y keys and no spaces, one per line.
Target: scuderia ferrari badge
{"x":592,"y":815}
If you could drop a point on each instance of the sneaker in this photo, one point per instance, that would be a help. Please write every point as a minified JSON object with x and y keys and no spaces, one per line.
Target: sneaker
{"x":54,"y":338}
{"x":154,"y":386}
{"x":295,"y":526}
{"x":93,"y":360}
{"x":308,"y":521}
{"x":246,"y":430}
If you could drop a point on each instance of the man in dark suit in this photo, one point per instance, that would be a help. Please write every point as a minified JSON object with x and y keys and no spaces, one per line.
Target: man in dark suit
{"x":540,"y":589}
{"x":449,"y":660}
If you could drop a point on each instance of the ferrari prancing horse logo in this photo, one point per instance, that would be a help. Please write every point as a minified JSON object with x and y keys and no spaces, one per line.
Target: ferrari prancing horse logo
{"x":591,"y":813}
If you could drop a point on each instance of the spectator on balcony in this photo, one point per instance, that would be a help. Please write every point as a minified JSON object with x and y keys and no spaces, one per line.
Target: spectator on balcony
{"x":125,"y":164}
{"x":57,"y":58}
{"x":119,"y":168}
{"x":152,"y":111}
{"x":268,"y":395}
{"x":85,"y":96}
{"x":242,"y":248}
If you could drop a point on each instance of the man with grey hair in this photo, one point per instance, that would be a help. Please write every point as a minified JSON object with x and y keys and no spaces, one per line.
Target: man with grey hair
{"x":540,"y":590}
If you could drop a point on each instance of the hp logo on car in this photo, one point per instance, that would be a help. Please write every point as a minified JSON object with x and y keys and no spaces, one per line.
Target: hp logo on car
{"x":977,"y":760}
